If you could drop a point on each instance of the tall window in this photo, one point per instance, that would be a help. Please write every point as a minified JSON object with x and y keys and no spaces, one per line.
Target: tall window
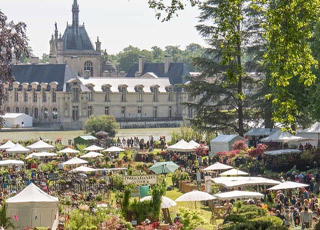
{"x":55,"y":113}
{"x":123,"y":112}
{"x":8,"y":109}
{"x":17,"y":109}
{"x":75,"y":94}
{"x":90,"y":97}
{"x":170,"y":111}
{"x":140,"y":94}
{"x":36,"y":113}
{"x":25,"y":95}
{"x":26,"y":111}
{"x":155,"y":94}
{"x":75,"y":113}
{"x":123,"y":94}
{"x":170,"y":98}
{"x":7,"y":93}
{"x":89,"y":111}
{"x":54,"y":95}
{"x":45,"y":113}
{"x":16,"y":94}
{"x":155,"y":112}
{"x":106,"y":110}
{"x":34,"y":95}
{"x":107,"y":94}
{"x":44,"y":96}
{"x":88,"y":66}
{"x":139,"y":111}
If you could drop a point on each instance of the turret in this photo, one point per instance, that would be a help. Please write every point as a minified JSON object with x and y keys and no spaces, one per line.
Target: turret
{"x":98,"y":45}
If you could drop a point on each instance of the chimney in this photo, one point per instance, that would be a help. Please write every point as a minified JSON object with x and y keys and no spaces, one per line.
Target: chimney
{"x":105,"y":73}
{"x":52,"y":60}
{"x":167,"y":61}
{"x":98,"y":45}
{"x":35,"y":60}
{"x":142,"y":61}
{"x":87,"y":74}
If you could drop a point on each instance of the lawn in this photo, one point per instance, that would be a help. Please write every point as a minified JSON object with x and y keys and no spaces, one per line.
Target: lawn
{"x":66,"y":135}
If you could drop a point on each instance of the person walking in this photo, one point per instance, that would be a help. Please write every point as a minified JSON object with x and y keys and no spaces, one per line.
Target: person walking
{"x":306,"y":219}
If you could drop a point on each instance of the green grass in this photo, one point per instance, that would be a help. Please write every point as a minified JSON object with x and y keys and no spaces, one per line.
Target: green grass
{"x":65,"y":135}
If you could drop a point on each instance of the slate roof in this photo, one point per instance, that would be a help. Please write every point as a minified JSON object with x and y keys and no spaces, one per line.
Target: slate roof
{"x":43,"y":73}
{"x":176,"y":71}
{"x":79,"y":42}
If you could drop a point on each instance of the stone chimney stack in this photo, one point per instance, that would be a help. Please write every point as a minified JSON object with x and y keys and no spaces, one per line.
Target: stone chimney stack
{"x":142,"y":61}
{"x":52,"y":60}
{"x":35,"y":60}
{"x":98,"y":45}
{"x":167,"y":61}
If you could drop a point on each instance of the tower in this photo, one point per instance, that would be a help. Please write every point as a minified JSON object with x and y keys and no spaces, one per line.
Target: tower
{"x":75,"y":17}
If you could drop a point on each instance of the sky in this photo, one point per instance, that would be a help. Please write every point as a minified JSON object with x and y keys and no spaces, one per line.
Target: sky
{"x":118,"y":23}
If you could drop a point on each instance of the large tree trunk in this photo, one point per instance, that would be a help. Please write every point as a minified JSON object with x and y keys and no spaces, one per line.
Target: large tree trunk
{"x":239,"y":90}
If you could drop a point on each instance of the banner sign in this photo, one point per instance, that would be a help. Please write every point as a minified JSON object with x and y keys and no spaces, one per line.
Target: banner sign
{"x":140,"y":180}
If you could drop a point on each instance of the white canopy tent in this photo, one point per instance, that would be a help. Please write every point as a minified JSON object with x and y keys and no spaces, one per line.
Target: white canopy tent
{"x":195,"y":196}
{"x":217,"y":166}
{"x":40,"y":146}
{"x":92,"y":155}
{"x":288,"y":185}
{"x":181,"y":146}
{"x":69,"y":150}
{"x":238,"y":195}
{"x":75,"y":161}
{"x":282,"y":152}
{"x":283,"y":137}
{"x":223,"y":143}
{"x":234,"y":172}
{"x":18,"y":149}
{"x":311,"y":133}
{"x":231,"y":182}
{"x":114,"y":149}
{"x":16,"y":119}
{"x":40,"y":155}
{"x":196,"y":145}
{"x":93,"y":148}
{"x":11,"y":162}
{"x":83,"y":169}
{"x":165,"y":201}
{"x":9,"y":144}
{"x":33,"y":207}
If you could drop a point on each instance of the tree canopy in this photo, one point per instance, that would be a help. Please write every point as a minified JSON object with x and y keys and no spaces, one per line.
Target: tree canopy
{"x":101,"y":123}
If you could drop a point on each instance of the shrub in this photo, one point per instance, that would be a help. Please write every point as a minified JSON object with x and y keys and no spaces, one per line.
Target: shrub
{"x":102,"y":123}
{"x":190,"y":219}
{"x":179,"y":176}
{"x":254,"y":152}
{"x":240,"y":145}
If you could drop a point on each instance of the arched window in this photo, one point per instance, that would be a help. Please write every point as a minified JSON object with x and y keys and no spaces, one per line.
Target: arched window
{"x":26,"y":111}
{"x":8,"y":109}
{"x":17,"y":109}
{"x":45,"y":113}
{"x":88,"y":66}
{"x":36,"y":113}
{"x":55,"y":113}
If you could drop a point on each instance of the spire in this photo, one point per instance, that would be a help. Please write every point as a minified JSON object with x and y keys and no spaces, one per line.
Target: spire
{"x":56,"y":30}
{"x":75,"y":17}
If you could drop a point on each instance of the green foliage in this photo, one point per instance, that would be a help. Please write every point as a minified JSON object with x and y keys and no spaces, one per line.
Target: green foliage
{"x":102,"y":123}
{"x":5,"y":221}
{"x":81,"y":147}
{"x":125,"y":201}
{"x":157,"y":192}
{"x":116,"y":181}
{"x":141,"y":210}
{"x":179,"y":176}
{"x":190,"y":219}
{"x":288,"y":29}
{"x":186,"y":133}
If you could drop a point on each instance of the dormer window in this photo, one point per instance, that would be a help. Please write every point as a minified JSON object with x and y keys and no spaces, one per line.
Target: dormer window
{"x":107,"y":94}
{"x":170,"y":96}
{"x":155,"y":94}
{"x":123,"y":91}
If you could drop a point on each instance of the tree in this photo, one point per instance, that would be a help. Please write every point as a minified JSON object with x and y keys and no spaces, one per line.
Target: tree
{"x":235,"y":49}
{"x":13,"y":43}
{"x":102,"y":123}
{"x":44,"y":58}
{"x":288,"y":29}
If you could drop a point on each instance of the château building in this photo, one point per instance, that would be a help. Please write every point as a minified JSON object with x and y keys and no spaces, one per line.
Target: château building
{"x":79,"y":81}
